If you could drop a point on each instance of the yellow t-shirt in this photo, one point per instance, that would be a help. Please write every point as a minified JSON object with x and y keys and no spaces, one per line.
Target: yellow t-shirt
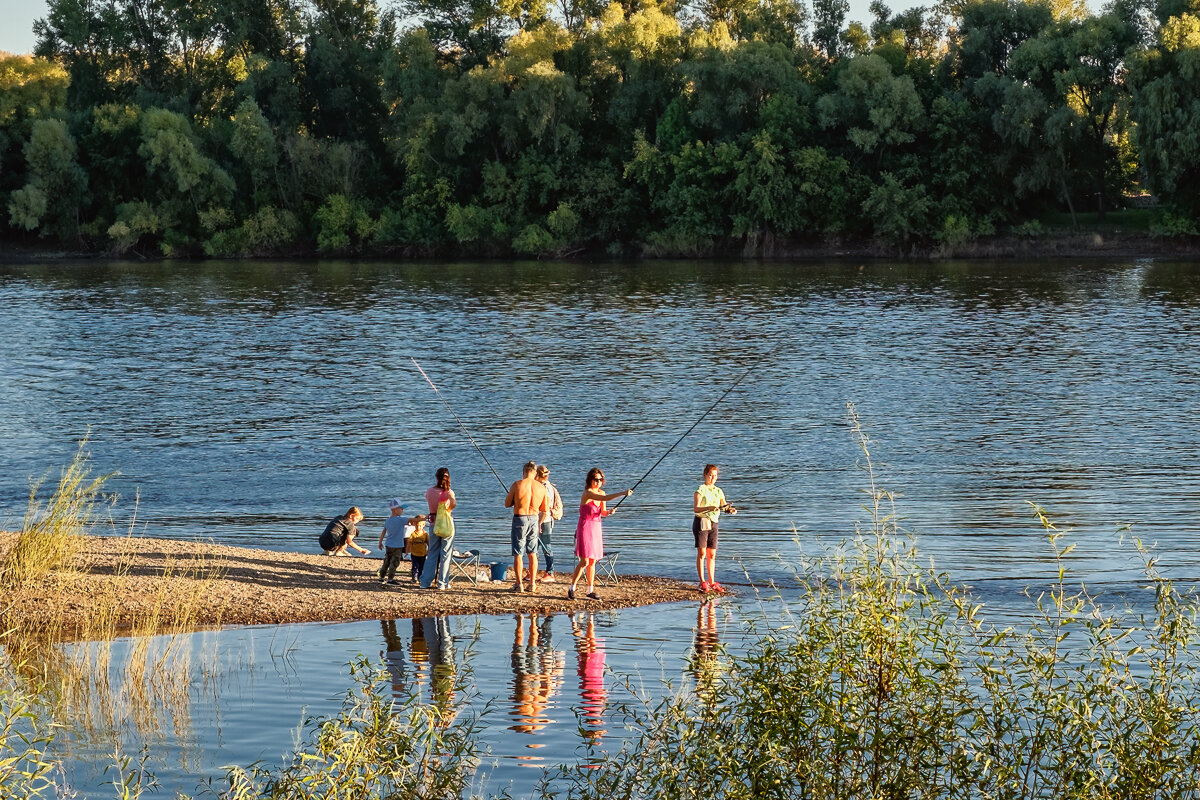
{"x":711,"y":496}
{"x":418,"y":543}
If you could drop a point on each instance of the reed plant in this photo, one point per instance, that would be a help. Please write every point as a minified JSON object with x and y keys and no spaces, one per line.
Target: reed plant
{"x":884,"y":679}
{"x":63,"y":660}
{"x":25,"y":770}
{"x":50,"y":530}
{"x":376,"y":747}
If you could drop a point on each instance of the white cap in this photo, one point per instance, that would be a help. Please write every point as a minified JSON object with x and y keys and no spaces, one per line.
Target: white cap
{"x":395,"y":503}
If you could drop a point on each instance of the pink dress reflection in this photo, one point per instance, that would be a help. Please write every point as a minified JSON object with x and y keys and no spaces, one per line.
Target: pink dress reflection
{"x":592,"y":692}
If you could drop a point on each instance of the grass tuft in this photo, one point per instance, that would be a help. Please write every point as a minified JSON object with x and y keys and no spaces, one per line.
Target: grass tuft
{"x":51,"y":532}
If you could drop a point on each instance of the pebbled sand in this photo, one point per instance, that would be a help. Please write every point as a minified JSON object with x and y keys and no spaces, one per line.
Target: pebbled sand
{"x":222,"y":585}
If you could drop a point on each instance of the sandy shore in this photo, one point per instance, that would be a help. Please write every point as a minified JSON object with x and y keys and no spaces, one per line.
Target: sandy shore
{"x":220,"y":584}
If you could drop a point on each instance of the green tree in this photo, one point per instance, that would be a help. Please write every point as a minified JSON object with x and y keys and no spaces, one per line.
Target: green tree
{"x":828,"y":18}
{"x":989,"y":31}
{"x":1076,"y":68}
{"x":348,"y":45}
{"x":731,"y":86}
{"x":467,"y":32}
{"x":1165,"y":104}
{"x":51,"y":198}
{"x":253,"y":145}
{"x":30,"y":89}
{"x":877,"y":109}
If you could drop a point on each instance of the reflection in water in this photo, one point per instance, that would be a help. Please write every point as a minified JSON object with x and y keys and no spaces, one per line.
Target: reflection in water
{"x":436,"y":634}
{"x":592,"y":692}
{"x":98,"y":693}
{"x":706,"y":643}
{"x":393,"y":656}
{"x":537,"y":674}
{"x":430,"y":662}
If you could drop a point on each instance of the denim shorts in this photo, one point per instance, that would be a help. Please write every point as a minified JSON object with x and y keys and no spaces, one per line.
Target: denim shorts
{"x":524,"y":534}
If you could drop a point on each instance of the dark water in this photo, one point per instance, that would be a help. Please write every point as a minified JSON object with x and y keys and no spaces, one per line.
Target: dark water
{"x":249,"y":402}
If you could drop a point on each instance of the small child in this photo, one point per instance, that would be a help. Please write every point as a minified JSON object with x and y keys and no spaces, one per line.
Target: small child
{"x":418,"y":544}
{"x":392,"y":537}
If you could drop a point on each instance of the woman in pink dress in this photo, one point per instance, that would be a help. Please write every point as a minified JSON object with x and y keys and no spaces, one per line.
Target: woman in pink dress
{"x":589,"y":538}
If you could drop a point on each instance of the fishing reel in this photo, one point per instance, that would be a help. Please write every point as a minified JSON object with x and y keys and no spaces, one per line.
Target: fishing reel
{"x":728,"y":508}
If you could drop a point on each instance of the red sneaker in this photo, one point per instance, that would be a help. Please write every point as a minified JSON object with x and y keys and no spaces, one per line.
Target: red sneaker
{"x":705,"y":587}
{"x":716,"y":587}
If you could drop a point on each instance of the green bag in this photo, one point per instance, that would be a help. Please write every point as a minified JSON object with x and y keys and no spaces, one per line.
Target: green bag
{"x":443,"y":523}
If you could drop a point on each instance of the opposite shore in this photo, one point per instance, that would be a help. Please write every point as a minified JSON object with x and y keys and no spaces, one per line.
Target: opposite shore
{"x":1049,"y":245}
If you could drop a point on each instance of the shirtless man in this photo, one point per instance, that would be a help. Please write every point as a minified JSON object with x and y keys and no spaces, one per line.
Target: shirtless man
{"x":527,"y":498}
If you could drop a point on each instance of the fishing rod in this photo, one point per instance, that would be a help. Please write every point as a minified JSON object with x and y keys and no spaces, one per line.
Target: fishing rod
{"x":460,"y":423}
{"x":694,"y":424}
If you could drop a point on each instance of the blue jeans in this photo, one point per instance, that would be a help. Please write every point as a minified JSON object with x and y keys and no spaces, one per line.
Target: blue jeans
{"x":437,"y":562}
{"x":547,"y":554}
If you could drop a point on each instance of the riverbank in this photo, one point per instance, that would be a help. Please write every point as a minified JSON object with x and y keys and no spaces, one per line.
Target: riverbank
{"x":1103,"y":242}
{"x":223,"y":585}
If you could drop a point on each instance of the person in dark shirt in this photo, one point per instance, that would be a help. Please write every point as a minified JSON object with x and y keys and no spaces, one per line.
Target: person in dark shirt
{"x":340,"y":532}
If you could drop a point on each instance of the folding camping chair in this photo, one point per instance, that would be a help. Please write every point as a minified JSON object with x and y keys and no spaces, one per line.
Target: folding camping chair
{"x":465,"y":564}
{"x":606,"y":568}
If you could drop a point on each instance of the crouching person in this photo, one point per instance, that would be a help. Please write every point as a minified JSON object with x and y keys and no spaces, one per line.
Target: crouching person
{"x":340,"y":532}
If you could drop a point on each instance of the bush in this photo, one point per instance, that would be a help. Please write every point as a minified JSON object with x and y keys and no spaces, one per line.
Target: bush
{"x":268,"y":231}
{"x":373,"y":748}
{"x":343,"y":225}
{"x":1173,"y":226}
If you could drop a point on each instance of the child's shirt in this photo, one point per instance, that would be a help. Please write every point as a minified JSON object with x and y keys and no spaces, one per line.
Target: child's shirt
{"x":393,"y":528}
{"x":418,"y":542}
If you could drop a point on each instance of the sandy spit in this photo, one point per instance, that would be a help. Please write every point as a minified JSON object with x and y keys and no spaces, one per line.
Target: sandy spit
{"x":224,"y":585}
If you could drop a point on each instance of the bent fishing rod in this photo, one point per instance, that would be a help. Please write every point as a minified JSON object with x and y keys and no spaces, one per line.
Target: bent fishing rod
{"x":735,"y":384}
{"x":460,"y":423}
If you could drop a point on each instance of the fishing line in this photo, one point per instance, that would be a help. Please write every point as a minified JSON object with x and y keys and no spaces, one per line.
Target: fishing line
{"x":460,"y":423}
{"x":750,"y":369}
{"x":764,"y":491}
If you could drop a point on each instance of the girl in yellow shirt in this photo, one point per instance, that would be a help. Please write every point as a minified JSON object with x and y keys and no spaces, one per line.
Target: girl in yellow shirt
{"x":707,"y":504}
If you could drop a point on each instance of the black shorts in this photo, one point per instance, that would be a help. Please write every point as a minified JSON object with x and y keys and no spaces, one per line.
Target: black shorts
{"x":329,"y":542}
{"x":706,"y":539}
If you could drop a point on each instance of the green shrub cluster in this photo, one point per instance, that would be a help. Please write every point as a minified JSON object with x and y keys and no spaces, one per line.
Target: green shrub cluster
{"x":253,"y":127}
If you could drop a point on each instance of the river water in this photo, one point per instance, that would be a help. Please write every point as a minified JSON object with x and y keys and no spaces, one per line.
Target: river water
{"x":248,"y":402}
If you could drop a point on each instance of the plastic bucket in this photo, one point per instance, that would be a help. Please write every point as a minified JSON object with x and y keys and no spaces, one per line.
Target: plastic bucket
{"x":499,"y":572}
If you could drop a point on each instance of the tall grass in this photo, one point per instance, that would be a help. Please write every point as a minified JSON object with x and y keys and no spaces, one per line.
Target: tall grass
{"x":51,"y":530}
{"x":62,"y":661}
{"x":374,"y":748}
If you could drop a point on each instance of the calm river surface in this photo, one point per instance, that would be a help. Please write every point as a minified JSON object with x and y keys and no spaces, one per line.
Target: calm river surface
{"x":248,"y":402}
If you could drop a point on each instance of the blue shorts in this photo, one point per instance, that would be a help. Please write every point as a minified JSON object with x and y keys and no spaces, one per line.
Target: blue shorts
{"x":524,"y":534}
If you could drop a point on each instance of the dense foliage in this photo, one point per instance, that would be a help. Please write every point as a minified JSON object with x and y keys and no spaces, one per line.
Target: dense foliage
{"x":251,"y":127}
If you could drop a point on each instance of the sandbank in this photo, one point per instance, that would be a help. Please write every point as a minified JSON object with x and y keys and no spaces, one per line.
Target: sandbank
{"x":227,"y":585}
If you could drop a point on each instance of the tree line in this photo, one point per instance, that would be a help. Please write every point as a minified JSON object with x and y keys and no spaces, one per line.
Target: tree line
{"x":500,"y":127}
